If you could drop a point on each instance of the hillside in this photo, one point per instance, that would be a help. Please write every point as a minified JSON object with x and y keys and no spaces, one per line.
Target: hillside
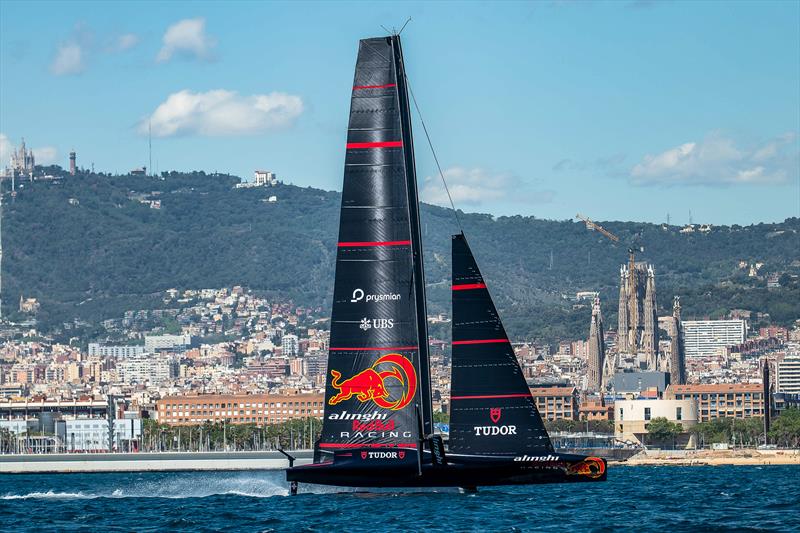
{"x":90,"y":247}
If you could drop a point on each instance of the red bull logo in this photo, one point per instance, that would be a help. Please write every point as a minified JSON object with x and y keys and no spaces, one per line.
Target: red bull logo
{"x":370,"y":384}
{"x":592,"y":467}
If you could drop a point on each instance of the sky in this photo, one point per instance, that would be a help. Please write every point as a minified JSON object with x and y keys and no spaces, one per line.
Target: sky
{"x":629,"y":110}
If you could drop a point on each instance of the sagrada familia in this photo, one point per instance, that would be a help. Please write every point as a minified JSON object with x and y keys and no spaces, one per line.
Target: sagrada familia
{"x":637,"y":333}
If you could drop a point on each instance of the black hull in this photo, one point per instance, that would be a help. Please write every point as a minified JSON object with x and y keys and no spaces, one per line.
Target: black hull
{"x":468,"y":471}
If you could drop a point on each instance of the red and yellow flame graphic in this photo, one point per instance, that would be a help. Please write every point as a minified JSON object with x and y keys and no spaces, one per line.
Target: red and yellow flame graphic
{"x":592,"y":467}
{"x":370,"y":384}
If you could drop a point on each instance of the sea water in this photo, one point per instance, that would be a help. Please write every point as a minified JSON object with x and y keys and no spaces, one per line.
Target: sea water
{"x":672,"y":499}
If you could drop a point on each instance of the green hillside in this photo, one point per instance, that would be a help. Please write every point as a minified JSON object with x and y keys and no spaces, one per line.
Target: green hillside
{"x":88,"y":247}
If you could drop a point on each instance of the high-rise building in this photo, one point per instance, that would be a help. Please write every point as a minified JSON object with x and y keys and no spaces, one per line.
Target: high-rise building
{"x":707,"y":337}
{"x":290,"y":347}
{"x":677,"y":363}
{"x":788,"y":379}
{"x":166,"y":342}
{"x":637,"y":320}
{"x":597,"y":349}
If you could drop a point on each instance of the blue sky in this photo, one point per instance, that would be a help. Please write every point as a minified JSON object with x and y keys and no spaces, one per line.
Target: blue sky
{"x":617,"y":110}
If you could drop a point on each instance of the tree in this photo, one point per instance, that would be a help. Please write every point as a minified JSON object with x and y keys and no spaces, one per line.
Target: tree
{"x":785,"y":429}
{"x":662,"y":430}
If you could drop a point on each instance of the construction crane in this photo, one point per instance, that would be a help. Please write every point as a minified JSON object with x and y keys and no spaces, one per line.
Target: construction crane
{"x":591,"y":225}
{"x":632,"y":249}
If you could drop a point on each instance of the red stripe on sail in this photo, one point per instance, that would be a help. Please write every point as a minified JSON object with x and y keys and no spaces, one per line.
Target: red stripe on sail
{"x":375,"y":243}
{"x":490,"y":396}
{"x":360,"y":87}
{"x":480,"y":341}
{"x":366,"y":445}
{"x":382,"y":144}
{"x":376,"y":348}
{"x":469,"y":286}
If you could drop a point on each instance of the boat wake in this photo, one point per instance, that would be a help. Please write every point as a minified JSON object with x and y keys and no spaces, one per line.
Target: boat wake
{"x":205,"y":485}
{"x":179,"y":486}
{"x":47,"y":495}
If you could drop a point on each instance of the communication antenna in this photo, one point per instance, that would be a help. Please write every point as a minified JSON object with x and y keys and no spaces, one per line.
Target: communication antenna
{"x":150,"y":144}
{"x":551,"y":259}
{"x":667,"y":219}
{"x":690,"y":217}
{"x":1,"y":254}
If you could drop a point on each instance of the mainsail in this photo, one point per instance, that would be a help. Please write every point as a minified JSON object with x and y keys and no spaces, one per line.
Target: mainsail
{"x":492,"y":410}
{"x":378,"y":384}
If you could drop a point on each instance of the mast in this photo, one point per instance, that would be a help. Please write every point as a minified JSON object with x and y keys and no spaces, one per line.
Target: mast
{"x":416,"y":240}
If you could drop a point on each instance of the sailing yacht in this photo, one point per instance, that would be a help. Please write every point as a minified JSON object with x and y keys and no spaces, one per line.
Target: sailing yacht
{"x":378,"y":422}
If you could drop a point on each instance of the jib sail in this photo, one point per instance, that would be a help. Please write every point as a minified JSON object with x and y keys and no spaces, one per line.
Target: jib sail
{"x":492,"y":410}
{"x":378,"y":376}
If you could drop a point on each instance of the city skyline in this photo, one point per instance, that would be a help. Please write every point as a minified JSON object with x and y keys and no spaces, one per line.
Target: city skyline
{"x":598,"y":108}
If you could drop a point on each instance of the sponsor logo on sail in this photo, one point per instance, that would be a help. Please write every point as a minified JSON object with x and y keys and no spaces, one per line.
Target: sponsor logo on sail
{"x":359,"y":295}
{"x":537,"y":458}
{"x":374,"y":425}
{"x":371,"y":384}
{"x":490,"y":431}
{"x":377,"y":323}
{"x":384,"y":455}
{"x":486,"y":431}
{"x":366,"y":417}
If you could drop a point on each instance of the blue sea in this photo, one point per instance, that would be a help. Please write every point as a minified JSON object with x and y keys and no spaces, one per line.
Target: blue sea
{"x":674,"y":499}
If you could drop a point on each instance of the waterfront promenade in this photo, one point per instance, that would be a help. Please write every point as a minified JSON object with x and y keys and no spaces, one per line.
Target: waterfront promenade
{"x":148,"y":462}
{"x":742,"y":456}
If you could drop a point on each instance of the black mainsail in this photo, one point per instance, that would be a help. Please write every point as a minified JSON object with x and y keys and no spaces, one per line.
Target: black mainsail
{"x":378,"y":385}
{"x":492,"y":410}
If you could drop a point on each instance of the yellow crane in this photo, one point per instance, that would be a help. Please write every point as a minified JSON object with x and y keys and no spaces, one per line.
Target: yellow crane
{"x":632,"y":249}
{"x":590,"y":224}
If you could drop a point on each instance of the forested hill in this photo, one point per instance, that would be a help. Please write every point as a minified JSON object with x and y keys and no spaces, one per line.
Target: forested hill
{"x":91,"y":246}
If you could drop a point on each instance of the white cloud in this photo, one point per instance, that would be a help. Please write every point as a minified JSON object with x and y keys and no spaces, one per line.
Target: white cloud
{"x":125,"y":42}
{"x":220,"y":112}
{"x":717,"y":160}
{"x":477,"y":186}
{"x":45,"y":155}
{"x":5,"y":149}
{"x":186,"y":38}
{"x":69,"y":59}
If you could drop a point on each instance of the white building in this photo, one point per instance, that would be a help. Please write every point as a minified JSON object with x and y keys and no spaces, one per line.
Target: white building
{"x":117,"y":352}
{"x":788,"y":379}
{"x":91,"y":434}
{"x":166,"y":342}
{"x":632,"y":417}
{"x":265,"y":178}
{"x":708,"y":337}
{"x":290,"y":347}
{"x":146,"y":369}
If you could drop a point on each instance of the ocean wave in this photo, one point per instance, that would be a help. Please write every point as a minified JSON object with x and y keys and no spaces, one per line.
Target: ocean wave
{"x":48,"y":495}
